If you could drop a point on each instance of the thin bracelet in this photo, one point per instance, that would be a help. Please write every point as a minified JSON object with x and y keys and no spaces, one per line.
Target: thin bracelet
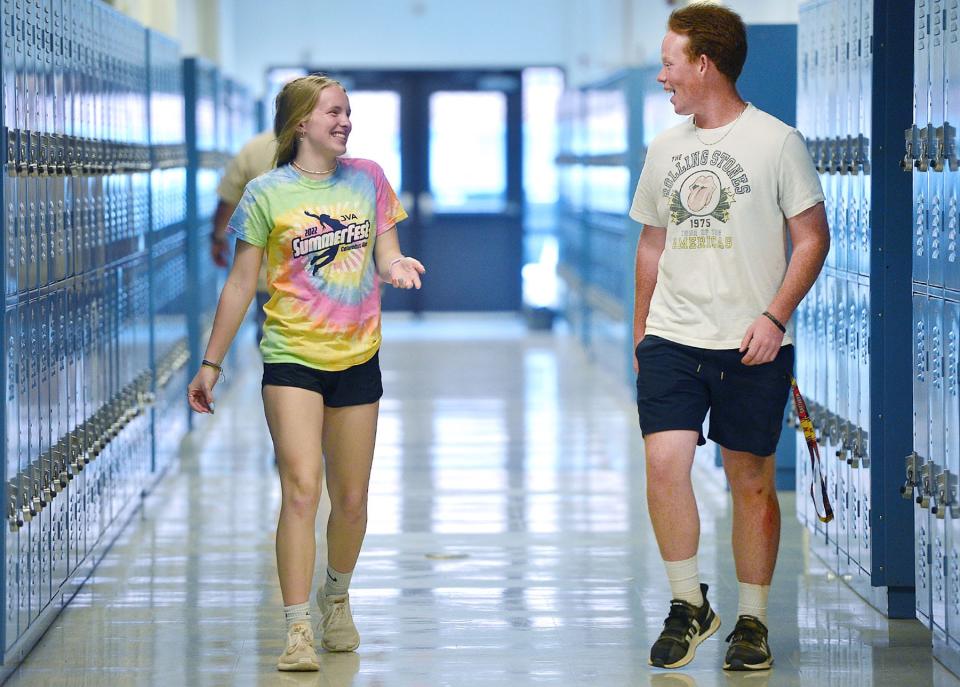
{"x":775,"y":321}
{"x":396,"y":260}
{"x":218,"y":368}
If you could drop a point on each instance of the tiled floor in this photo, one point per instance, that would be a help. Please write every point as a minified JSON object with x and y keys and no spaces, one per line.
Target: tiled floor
{"x":508,"y":545}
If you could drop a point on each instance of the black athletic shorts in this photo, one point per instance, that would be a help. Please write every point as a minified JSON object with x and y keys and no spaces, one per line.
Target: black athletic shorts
{"x":355,"y":386}
{"x":677,"y":384}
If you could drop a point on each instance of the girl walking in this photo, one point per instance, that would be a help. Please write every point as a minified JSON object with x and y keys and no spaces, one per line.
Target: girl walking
{"x":328,"y":227}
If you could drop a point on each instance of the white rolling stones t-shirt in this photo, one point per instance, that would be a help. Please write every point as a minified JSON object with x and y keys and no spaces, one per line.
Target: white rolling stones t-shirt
{"x":724,"y":206}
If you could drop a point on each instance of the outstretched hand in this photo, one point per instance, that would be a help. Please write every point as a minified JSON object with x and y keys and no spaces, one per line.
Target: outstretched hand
{"x":761,"y":342}
{"x":405,"y":273}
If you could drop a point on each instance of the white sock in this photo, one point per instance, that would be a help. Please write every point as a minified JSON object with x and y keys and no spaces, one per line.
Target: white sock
{"x":685,"y":580}
{"x":753,"y":601}
{"x":337,"y":582}
{"x":297,"y":613}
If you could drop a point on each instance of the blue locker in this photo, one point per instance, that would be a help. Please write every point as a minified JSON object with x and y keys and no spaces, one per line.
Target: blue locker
{"x":850,"y":135}
{"x":936,"y":453}
{"x":10,"y":235}
{"x":938,"y":239}
{"x":951,"y":166}
{"x":921,"y":400}
{"x":863,"y":410}
{"x":846,"y":250}
{"x":11,"y":469}
{"x":851,"y":411}
{"x":69,"y":230}
{"x":917,"y":145}
{"x":42,"y":255}
{"x":947,"y":496}
{"x":851,"y":415}
{"x":77,"y":326}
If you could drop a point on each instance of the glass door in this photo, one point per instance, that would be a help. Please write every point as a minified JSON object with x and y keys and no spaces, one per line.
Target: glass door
{"x":450,"y":144}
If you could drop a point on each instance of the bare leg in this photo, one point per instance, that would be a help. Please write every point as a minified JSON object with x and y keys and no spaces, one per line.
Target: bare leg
{"x":349,"y":435}
{"x":756,"y":515}
{"x":673,"y":507}
{"x":295,"y":418}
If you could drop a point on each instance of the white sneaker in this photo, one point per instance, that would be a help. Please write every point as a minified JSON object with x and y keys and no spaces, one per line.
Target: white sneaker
{"x":336,"y":622}
{"x":299,"y":654}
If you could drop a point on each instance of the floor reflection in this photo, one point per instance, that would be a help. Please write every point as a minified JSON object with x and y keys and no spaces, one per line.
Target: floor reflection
{"x":508,"y":544}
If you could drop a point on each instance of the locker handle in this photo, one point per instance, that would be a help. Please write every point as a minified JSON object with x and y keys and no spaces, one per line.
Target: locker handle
{"x":911,"y":148}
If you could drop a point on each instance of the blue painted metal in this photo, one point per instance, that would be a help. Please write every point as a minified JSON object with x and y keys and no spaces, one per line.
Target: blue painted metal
{"x":891,"y":516}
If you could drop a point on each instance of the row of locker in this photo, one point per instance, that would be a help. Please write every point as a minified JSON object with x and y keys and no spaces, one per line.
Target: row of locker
{"x":78,"y":371}
{"x":74,"y":88}
{"x":833,"y":324}
{"x":931,"y":468}
{"x":60,"y":227}
{"x":106,"y":279}
{"x":931,"y":144}
{"x":832,"y":329}
{"x":835,"y":65}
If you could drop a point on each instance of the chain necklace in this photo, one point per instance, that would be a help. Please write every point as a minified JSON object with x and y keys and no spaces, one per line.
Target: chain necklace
{"x":310,"y":171}
{"x":730,"y":127}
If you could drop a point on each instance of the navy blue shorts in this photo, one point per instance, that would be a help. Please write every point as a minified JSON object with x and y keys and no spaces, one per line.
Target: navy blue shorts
{"x":677,"y":384}
{"x":355,"y":386}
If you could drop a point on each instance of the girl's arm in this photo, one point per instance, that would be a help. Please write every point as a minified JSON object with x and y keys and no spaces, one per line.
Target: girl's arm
{"x":234,"y":301}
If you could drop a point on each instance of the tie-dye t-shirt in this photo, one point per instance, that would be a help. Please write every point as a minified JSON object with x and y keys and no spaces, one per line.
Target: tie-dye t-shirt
{"x":324,"y":307}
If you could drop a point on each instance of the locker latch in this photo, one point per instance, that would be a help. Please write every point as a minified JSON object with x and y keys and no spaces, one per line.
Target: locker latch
{"x":913,"y":473}
{"x":11,"y":139}
{"x":33,"y":162}
{"x":822,"y":147}
{"x":14,"y":517}
{"x":927,"y":480}
{"x":844,"y":161}
{"x":927,"y":148}
{"x":911,"y":148}
{"x":23,"y":152}
{"x":946,"y":491}
{"x":861,"y":162}
{"x":948,"y":146}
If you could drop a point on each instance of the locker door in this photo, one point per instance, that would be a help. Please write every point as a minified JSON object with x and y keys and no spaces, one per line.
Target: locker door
{"x":8,"y":63}
{"x":917,"y":149}
{"x":938,"y":243}
{"x":863,"y":148}
{"x":952,"y":443}
{"x":61,"y":427}
{"x":921,"y":401}
{"x":839,"y":435}
{"x":828,"y":421}
{"x":851,"y":383}
{"x":951,"y":170}
{"x":936,"y":456}
{"x":12,"y":468}
{"x":863,"y":410}
{"x":74,"y":341}
{"x":840,"y":93}
{"x":852,"y":136}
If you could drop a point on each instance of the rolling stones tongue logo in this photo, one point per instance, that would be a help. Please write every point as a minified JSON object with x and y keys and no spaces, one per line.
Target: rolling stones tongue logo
{"x":701,"y":195}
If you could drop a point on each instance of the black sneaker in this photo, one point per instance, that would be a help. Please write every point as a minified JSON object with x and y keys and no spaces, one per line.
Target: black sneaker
{"x":748,"y":646}
{"x":683,"y":630}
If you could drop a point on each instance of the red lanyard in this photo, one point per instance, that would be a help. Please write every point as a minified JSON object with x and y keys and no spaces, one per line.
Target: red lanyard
{"x":815,"y":467}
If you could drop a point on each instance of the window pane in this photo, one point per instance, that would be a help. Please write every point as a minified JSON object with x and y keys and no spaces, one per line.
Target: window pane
{"x":376,"y":131}
{"x":468,"y":151}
